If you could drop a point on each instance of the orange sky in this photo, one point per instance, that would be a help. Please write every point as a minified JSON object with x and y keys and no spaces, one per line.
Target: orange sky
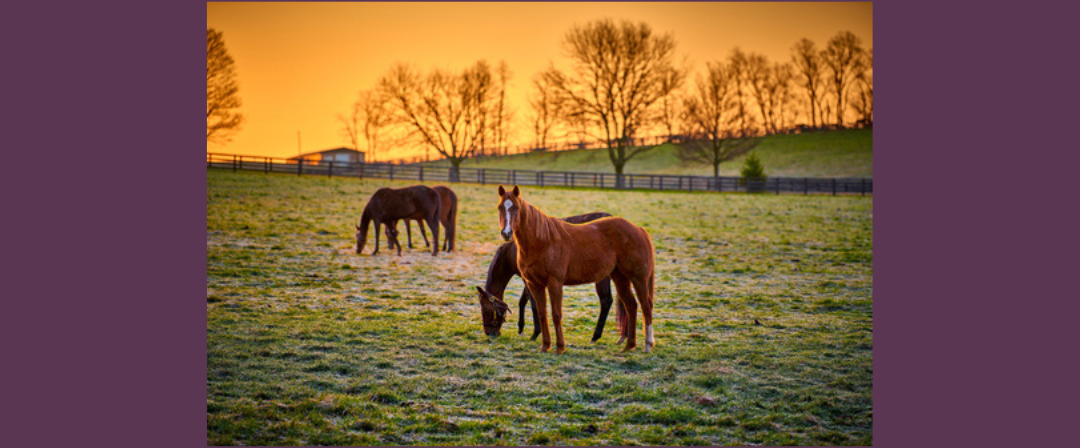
{"x":300,"y":65}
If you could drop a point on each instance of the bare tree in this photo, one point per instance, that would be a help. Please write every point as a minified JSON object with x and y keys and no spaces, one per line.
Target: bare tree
{"x":770,"y":86}
{"x":710,"y":117}
{"x":350,"y":126}
{"x":503,"y":114}
{"x":450,"y":113}
{"x":864,"y":82}
{"x":222,"y":91}
{"x":369,"y":119}
{"x":841,"y":56}
{"x":739,"y":64}
{"x":620,"y":74}
{"x":809,"y":68}
{"x":545,"y":111}
{"x":670,"y":107}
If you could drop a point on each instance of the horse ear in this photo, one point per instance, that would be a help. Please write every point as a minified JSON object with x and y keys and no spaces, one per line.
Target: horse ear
{"x":502,"y":190}
{"x":481,"y":291}
{"x":517,"y":192}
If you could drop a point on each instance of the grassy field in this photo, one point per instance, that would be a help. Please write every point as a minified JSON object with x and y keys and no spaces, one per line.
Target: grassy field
{"x":817,"y":154}
{"x":309,"y":343}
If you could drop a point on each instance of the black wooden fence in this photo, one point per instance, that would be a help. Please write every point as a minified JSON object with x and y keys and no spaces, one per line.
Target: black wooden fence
{"x":420,"y":173}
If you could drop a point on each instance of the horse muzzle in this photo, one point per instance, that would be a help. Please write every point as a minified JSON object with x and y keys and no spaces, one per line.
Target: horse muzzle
{"x":507,"y":235}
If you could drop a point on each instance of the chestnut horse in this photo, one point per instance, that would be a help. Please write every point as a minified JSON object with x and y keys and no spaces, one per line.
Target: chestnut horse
{"x":447,"y":217}
{"x":504,"y":267}
{"x":553,"y":253}
{"x":390,"y":204}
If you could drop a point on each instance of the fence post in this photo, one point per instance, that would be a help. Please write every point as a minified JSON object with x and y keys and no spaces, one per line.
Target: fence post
{"x":513,"y":177}
{"x":300,"y":167}
{"x":834,"y":186}
{"x":362,"y":164}
{"x":391,"y":171}
{"x":266,"y":165}
{"x":777,"y":186}
{"x":572,"y":179}
{"x":234,"y":163}
{"x":564,"y":177}
{"x":482,"y":177}
{"x":690,"y":183}
{"x":594,"y":180}
{"x":330,"y":171}
{"x":806,"y":186}
{"x":540,"y":178}
{"x":862,"y":186}
{"x":421,"y":173}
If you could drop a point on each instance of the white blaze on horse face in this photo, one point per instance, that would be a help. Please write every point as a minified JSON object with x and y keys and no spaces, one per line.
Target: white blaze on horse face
{"x":507,"y":205}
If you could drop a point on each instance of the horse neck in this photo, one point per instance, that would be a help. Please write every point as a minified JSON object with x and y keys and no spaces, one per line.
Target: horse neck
{"x":365,"y":221}
{"x":538,"y":228}
{"x":502,"y":269}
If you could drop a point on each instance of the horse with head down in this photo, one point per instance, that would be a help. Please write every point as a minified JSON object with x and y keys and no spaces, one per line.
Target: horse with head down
{"x":392,"y":204}
{"x":553,"y":253}
{"x":504,"y":267}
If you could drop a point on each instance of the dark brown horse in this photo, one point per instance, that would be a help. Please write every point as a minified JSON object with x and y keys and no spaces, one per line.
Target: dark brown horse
{"x":504,"y":267}
{"x":553,"y":253}
{"x":389,"y":204}
{"x":447,"y":217}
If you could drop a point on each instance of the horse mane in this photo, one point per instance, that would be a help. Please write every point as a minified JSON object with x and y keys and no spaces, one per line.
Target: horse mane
{"x":544,"y":227}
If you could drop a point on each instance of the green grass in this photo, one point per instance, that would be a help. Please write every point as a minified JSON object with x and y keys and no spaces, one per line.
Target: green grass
{"x":310,"y":344}
{"x":846,"y":153}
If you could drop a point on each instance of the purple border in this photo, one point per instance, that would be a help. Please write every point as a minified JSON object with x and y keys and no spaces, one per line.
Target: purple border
{"x":105,"y":257}
{"x":118,"y":353}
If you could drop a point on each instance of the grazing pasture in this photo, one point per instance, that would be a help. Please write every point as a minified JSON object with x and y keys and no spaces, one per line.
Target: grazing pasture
{"x":763,"y":325}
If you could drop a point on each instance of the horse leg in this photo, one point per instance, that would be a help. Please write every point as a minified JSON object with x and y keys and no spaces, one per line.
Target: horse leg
{"x":555,"y":291}
{"x":423,"y":233}
{"x":626,"y":299}
{"x":408,"y":232}
{"x":451,"y":234}
{"x":603,"y":291}
{"x":540,"y":296}
{"x":536,"y":319}
{"x":378,"y":224}
{"x":641,"y":287}
{"x":525,"y":298}
{"x":433,"y":222}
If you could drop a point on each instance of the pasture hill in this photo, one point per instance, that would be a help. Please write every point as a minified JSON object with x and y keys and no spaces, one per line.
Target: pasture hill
{"x":845,"y":153}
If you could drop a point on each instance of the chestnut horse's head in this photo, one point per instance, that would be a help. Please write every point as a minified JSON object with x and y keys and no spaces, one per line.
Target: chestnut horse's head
{"x":509,"y":206}
{"x":492,"y":311}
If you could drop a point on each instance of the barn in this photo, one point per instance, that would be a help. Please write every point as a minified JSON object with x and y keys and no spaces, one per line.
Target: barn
{"x":345,"y":155}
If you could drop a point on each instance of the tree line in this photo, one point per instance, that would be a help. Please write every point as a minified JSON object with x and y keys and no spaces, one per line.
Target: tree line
{"x":623,"y":82}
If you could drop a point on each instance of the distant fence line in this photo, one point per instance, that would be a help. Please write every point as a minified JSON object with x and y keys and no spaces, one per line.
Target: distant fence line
{"x":483,"y":176}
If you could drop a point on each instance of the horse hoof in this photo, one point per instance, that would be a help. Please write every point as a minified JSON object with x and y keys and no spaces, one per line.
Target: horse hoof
{"x":544,"y":349}
{"x":560,"y":350}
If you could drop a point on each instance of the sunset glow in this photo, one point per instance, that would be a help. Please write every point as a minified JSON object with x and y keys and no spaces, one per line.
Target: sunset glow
{"x":301,"y":65}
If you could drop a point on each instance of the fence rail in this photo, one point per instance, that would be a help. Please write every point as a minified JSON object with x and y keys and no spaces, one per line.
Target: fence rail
{"x":420,"y":173}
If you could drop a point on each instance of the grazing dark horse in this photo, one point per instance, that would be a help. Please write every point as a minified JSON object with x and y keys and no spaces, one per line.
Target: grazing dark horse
{"x":447,"y":217}
{"x":390,"y":204}
{"x":553,"y":253}
{"x":504,"y":267}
